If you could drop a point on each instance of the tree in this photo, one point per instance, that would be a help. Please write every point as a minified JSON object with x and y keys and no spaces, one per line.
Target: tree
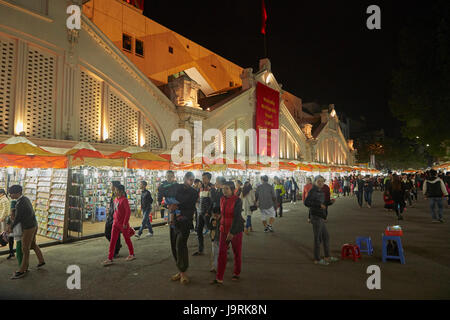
{"x":421,"y":83}
{"x":394,"y":153}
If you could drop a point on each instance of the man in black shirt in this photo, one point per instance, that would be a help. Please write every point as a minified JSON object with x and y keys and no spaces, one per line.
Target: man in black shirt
{"x":146,"y":208}
{"x":25,"y":215}
{"x":186,"y":196}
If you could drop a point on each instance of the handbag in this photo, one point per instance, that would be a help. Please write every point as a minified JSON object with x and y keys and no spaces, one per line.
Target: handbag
{"x":129,"y":232}
{"x":3,"y":239}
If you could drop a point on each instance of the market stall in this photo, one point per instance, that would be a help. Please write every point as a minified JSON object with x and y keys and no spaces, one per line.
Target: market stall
{"x":443,"y":166}
{"x":92,"y":174}
{"x":43,"y":177}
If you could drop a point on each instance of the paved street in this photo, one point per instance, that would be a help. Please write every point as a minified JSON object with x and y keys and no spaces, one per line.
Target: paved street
{"x":275,"y":266}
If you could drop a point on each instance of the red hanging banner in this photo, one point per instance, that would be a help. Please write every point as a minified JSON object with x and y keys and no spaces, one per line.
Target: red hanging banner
{"x":267,"y":116}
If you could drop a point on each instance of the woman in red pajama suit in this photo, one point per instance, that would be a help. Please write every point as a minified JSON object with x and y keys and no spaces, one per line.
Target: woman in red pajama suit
{"x":122,"y":214}
{"x":231,"y":229}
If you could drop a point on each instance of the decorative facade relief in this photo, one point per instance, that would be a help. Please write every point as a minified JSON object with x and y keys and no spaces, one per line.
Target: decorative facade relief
{"x":40,"y":94}
{"x":350,"y":144}
{"x":307,"y":130}
{"x":183,"y":91}
{"x":90,"y":108}
{"x":123,"y":121}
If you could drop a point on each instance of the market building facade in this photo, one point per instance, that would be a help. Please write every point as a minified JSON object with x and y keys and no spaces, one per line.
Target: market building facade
{"x":123,"y":80}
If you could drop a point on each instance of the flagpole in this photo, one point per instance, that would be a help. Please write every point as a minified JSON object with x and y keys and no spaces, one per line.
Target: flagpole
{"x":263,"y":26}
{"x":265,"y":46}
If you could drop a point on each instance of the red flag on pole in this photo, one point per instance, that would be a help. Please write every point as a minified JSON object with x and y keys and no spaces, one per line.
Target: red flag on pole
{"x":264,"y":18}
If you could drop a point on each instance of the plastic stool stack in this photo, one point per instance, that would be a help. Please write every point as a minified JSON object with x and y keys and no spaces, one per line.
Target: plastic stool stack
{"x":397,"y":239}
{"x":350,"y":251}
{"x":367,"y":243}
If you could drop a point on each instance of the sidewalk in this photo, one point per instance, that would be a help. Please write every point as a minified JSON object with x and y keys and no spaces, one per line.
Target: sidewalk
{"x":275,"y":265}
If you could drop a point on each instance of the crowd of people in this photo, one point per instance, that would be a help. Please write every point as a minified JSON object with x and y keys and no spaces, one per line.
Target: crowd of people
{"x":224,"y":209}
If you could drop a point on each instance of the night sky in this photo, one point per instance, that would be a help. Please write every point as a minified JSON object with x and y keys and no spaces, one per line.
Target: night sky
{"x":320,"y":50}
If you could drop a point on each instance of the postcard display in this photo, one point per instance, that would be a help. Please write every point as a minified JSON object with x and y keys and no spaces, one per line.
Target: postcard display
{"x":46,"y":189}
{"x":90,"y":192}
{"x":3,"y":179}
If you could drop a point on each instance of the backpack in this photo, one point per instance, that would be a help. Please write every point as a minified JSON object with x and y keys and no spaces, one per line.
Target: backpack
{"x":434,"y":190}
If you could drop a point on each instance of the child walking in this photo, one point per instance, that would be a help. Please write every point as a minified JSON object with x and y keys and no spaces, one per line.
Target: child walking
{"x":214,"y":227}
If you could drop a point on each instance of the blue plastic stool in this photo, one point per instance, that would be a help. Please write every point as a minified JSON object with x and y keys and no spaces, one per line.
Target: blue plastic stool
{"x":368,"y":245}
{"x":100,"y":214}
{"x":397,"y":239}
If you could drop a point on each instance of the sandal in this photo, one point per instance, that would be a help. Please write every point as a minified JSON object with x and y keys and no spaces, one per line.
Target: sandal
{"x":130,"y":258}
{"x":176,"y":277}
{"x":184,"y":280}
{"x":107,"y":263}
{"x":235,"y":278}
{"x":213,"y":270}
{"x":322,"y":262}
{"x":18,"y":275}
{"x":217,"y":282}
{"x":331,"y":259}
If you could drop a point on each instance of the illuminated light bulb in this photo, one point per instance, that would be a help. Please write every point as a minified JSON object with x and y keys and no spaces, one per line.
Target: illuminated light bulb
{"x":105,"y":133}
{"x":19,"y":127}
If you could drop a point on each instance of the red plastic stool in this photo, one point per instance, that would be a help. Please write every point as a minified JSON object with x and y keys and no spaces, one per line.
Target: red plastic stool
{"x":350,"y":250}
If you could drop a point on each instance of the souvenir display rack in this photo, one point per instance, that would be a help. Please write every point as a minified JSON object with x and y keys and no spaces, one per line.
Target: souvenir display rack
{"x":57,"y":205}
{"x":46,"y":189}
{"x":76,"y":204}
{"x":3,"y":179}
{"x":91,"y":190}
{"x":132,"y":185}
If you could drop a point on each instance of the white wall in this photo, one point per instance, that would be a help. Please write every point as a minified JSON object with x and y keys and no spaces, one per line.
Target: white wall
{"x":94,"y":52}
